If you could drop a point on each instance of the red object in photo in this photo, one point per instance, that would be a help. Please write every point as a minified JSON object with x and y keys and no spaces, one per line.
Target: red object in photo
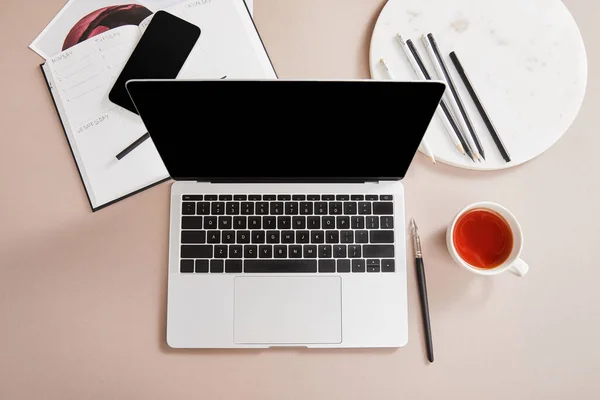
{"x":105,"y":19}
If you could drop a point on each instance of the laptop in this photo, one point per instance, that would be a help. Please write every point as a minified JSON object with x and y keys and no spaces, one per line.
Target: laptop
{"x":287,"y":222}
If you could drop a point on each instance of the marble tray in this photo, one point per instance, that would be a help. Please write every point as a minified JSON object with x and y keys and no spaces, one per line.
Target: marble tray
{"x":526,"y":60}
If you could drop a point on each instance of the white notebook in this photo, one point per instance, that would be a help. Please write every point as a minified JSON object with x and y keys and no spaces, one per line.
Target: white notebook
{"x":81,"y":77}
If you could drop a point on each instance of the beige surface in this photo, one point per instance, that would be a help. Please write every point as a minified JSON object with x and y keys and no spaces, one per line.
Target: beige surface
{"x":82,"y":295}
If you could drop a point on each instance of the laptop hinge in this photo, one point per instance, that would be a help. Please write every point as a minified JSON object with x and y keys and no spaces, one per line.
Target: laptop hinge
{"x":246,"y":181}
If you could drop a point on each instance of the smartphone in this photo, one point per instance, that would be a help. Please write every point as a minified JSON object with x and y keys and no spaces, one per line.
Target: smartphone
{"x":159,"y":54}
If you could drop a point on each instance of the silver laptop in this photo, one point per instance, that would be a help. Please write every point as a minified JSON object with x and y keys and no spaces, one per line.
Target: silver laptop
{"x":287,"y":211}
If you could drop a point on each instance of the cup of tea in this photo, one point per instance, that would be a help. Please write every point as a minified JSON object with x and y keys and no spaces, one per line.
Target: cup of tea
{"x":486,"y":238}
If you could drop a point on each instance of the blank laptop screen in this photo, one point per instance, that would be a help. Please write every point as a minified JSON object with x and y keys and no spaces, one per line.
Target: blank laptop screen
{"x":286,"y":130}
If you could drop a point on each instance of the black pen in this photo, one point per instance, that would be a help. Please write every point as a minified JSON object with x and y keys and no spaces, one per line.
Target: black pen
{"x":422,"y":288}
{"x":438,"y":61}
{"x":482,"y":111}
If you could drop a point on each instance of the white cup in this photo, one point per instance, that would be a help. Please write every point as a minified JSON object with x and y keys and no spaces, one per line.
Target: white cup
{"x":513,"y":263}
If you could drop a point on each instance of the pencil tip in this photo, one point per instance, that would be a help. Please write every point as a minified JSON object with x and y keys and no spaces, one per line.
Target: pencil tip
{"x":460,"y":148}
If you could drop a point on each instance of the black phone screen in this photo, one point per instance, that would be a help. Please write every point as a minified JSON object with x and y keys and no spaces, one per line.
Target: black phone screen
{"x":159,"y":54}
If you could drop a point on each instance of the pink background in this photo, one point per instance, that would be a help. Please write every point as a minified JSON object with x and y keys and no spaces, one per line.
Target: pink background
{"x":82,"y":295}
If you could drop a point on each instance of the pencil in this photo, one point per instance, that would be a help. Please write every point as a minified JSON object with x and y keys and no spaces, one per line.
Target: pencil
{"x":440,"y":65}
{"x":426,"y":148}
{"x":443,"y":111}
{"x":482,"y":111}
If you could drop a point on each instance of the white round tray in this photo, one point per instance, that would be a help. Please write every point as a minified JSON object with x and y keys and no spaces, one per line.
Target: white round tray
{"x":525,"y":58}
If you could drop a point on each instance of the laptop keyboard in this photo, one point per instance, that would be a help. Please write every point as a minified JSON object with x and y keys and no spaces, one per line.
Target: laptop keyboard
{"x":287,"y":233}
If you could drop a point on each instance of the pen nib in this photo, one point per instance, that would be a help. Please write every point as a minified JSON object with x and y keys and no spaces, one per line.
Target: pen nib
{"x":413,"y":226}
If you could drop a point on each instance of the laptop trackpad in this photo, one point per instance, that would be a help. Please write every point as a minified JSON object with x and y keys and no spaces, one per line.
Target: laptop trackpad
{"x":288,"y":310}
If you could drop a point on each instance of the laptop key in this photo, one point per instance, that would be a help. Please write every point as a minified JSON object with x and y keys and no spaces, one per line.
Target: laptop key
{"x":233,"y":266}
{"x":188,"y":208}
{"x":378,"y":251}
{"x":228,"y":237}
{"x":302,"y":237}
{"x":306,"y":208}
{"x":280,"y":266}
{"x":335,"y":208}
{"x":192,"y":197}
{"x":186,"y":266}
{"x":196,"y":251}
{"x":250,"y":251}
{"x":320,"y":208}
{"x":201,"y":266}
{"x":295,"y":251}
{"x":277,"y":208}
{"x":383,"y":208}
{"x":364,"y":208}
{"x":332,"y":237}
{"x":191,"y":222}
{"x":314,"y":222}
{"x":270,"y":197}
{"x":265,"y":251}
{"x":354,"y":251}
{"x":299,"y":222}
{"x":210,"y":222}
{"x":280,"y":251}
{"x":254,"y":222}
{"x":357,"y":197}
{"x":254,"y":197}
{"x":258,"y":236}
{"x":347,"y":236}
{"x":324,"y":251}
{"x":284,"y":222}
{"x":339,"y":251}
{"x":291,"y":208}
{"x":216,"y":266}
{"x":220,"y":251}
{"x":217,"y":208}
{"x":372,"y":265}
{"x":210,"y":197}
{"x":239,"y":222}
{"x":387,"y":222}
{"x":203,"y":208}
{"x":299,"y":197}
{"x":342,"y":197}
{"x":225,"y":222}
{"x":343,"y":265}
{"x":213,"y":237}
{"x":235,"y":251}
{"x":387,"y":266}
{"x":372,"y":197}
{"x":361,"y":236}
{"x":313,"y":197}
{"x":243,"y":236}
{"x":357,"y":222}
{"x":247,"y":208}
{"x":386,"y":197}
{"x":193,"y":237}
{"x":317,"y":237}
{"x":239,"y":197}
{"x":262,"y":208}
{"x":343,"y":222}
{"x":273,"y":237}
{"x":287,"y":237}
{"x":310,"y":251}
{"x":225,"y":197}
{"x":358,"y":265}
{"x":372,"y":222}
{"x":382,"y":236}
{"x":232,"y":208}
{"x":269,"y":222}
{"x":326,"y":266}
{"x":328,"y":222}
{"x":350,"y":207}
{"x":328,"y":197}
{"x":284,"y":197}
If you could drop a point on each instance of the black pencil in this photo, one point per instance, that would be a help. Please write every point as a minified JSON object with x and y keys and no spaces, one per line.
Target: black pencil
{"x":420,"y":266}
{"x":482,"y":111}
{"x":133,"y":145}
{"x":446,"y":110}
{"x":455,"y":94}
